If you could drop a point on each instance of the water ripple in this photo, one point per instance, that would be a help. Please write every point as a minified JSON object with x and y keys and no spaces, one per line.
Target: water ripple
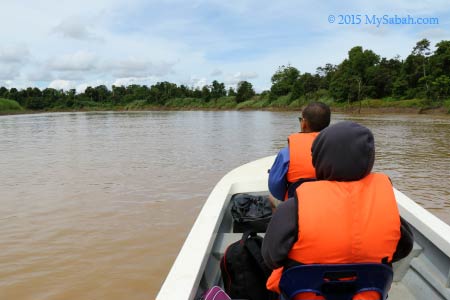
{"x":97,"y":205}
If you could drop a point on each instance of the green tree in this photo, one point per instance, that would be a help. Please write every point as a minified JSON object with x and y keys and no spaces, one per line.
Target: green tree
{"x":422,"y":51}
{"x":69,"y":98}
{"x":381,"y":77}
{"x":440,"y":60}
{"x":102,"y":93}
{"x":33,"y":92}
{"x":71,"y":93}
{"x":3,"y":92}
{"x":244,"y":92}
{"x":231,"y":92}
{"x":350,"y":79}
{"x":184,"y":91}
{"x":441,"y":87}
{"x":305,"y":85}
{"x":218,"y":90}
{"x":342,"y":85}
{"x":118,"y":93}
{"x":91,"y":93}
{"x":197,"y":93}
{"x":360,"y":63}
{"x":326,"y":74}
{"x":206,"y":93}
{"x":283,"y":80}
{"x":439,"y":66}
{"x":415,"y":71}
{"x":50,"y":93}
{"x":167,"y":90}
{"x":154,"y":96}
{"x":13,"y":94}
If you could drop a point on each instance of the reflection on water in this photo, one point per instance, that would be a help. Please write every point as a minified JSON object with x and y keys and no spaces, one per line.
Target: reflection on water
{"x":97,"y":205}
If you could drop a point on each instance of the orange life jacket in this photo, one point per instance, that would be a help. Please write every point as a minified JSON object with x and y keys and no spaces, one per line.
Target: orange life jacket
{"x":344,"y":222}
{"x":300,"y":159}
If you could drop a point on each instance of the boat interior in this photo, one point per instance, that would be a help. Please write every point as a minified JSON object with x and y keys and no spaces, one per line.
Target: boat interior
{"x":423,"y":274}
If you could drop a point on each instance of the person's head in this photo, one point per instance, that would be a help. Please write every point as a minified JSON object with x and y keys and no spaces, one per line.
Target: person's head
{"x":343,"y":152}
{"x":315,"y":117}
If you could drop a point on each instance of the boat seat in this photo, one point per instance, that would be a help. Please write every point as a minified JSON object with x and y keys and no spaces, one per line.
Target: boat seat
{"x":336,"y":282}
{"x":402,"y":266}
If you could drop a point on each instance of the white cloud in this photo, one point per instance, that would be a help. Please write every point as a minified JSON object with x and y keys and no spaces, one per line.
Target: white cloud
{"x":216,"y":72}
{"x":82,"y":64}
{"x":78,"y":61}
{"x":7,"y":83}
{"x":8,"y":72}
{"x":14,"y":54}
{"x":137,"y":67}
{"x":40,"y":75}
{"x":434,"y":33}
{"x":77,"y":28}
{"x":12,"y":58}
{"x":198,"y":82}
{"x":135,"y":80}
{"x":60,"y":84}
{"x":239,"y":76}
{"x":81,"y":87}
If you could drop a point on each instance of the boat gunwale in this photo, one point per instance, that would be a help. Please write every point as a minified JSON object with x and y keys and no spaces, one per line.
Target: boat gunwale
{"x":185,"y":275}
{"x":190,"y":263}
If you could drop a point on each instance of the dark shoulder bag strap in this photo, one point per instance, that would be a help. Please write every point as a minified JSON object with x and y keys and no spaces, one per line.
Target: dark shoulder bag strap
{"x":255,"y":251}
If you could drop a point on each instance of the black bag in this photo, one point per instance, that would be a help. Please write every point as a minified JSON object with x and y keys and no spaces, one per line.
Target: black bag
{"x":244,"y":272}
{"x":250,"y":212}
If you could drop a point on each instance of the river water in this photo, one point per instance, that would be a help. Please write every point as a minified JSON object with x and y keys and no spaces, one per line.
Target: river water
{"x":97,"y":205}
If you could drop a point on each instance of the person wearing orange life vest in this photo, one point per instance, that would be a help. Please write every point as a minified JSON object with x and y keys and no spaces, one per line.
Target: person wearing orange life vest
{"x":349,"y":215}
{"x":293,"y":164}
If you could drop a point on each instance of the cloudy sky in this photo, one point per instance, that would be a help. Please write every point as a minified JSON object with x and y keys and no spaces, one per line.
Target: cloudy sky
{"x":74,"y":44}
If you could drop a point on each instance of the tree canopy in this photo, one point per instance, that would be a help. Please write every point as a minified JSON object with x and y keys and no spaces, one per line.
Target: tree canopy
{"x":245,"y":91}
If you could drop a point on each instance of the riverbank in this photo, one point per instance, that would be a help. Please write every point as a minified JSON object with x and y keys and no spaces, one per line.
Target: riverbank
{"x":348,"y":110}
{"x":10,"y":107}
{"x":368,"y":106}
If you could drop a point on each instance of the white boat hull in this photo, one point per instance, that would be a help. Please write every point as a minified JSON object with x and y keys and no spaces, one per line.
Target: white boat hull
{"x":424,"y":274}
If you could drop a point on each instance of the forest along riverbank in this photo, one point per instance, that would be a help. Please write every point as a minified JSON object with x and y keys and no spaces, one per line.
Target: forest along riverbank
{"x":346,"y":109}
{"x":422,"y":79}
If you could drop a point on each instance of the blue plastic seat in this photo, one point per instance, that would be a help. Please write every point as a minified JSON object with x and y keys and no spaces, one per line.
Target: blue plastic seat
{"x":336,"y":282}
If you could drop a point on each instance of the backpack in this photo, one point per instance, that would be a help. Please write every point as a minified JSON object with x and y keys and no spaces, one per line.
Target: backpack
{"x":250,"y":212}
{"x":244,"y":272}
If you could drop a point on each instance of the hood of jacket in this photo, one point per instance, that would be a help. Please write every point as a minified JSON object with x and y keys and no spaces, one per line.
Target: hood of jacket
{"x":343,"y":152}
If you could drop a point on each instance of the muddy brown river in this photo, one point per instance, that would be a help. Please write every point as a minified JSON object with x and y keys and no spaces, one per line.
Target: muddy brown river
{"x":97,"y":205}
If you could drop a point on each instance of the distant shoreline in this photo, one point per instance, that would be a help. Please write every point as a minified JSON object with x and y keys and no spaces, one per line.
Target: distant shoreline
{"x":262,"y":102}
{"x":354,"y":109}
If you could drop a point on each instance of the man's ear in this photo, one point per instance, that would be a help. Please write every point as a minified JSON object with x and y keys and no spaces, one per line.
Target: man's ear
{"x":305,"y":125}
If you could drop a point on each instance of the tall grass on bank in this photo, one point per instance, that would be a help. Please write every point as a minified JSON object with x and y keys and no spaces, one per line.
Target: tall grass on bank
{"x":281,"y":103}
{"x":7,"y":106}
{"x":447,"y":105}
{"x":258,"y":102}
